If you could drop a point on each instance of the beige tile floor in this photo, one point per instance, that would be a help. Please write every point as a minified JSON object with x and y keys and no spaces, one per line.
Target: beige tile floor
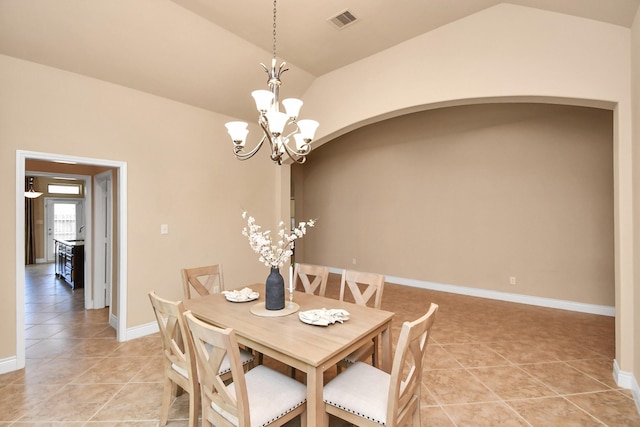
{"x":489,"y":363}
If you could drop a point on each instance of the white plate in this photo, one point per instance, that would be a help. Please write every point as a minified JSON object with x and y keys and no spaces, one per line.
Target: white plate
{"x":323,"y":317}
{"x":242,"y":295}
{"x":247,"y":299}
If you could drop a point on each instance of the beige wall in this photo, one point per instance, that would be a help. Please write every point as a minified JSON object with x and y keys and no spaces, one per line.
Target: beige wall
{"x":506,"y":52}
{"x":635,"y":52}
{"x":471,"y":196}
{"x":181,"y":172}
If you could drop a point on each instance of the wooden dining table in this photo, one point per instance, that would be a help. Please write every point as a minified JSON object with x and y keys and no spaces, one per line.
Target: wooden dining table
{"x":307,"y":348}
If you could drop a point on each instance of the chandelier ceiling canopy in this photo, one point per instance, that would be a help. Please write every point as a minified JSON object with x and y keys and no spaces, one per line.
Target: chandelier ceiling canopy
{"x":274,"y":123}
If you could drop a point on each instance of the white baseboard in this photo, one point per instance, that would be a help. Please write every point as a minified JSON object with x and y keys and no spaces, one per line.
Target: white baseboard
{"x":602,"y":310}
{"x":141,"y":331}
{"x":9,"y":364}
{"x":113,"y":321}
{"x":627,"y":380}
{"x":41,"y":261}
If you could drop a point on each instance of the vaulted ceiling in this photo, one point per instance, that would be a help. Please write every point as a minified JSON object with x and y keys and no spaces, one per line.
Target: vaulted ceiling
{"x":207,"y":53}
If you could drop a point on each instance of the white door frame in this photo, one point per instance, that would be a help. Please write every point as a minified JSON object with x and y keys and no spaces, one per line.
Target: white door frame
{"x":121,"y":321}
{"x":103,"y":242}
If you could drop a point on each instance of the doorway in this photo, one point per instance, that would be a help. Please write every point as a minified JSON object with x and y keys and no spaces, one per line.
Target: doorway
{"x":118,"y":311}
{"x":64,"y":219}
{"x":74,"y":220}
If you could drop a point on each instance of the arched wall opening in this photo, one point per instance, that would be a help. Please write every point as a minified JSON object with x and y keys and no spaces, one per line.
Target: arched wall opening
{"x":325,"y":184}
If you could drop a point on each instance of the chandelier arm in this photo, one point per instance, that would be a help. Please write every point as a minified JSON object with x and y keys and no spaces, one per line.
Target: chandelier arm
{"x":300,"y":159}
{"x":237,"y":149}
{"x":307,"y":146}
{"x":276,"y":156}
{"x":296,"y":156}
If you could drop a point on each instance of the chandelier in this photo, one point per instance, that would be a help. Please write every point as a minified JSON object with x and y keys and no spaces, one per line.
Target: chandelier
{"x":297,"y":143}
{"x":31,"y":193}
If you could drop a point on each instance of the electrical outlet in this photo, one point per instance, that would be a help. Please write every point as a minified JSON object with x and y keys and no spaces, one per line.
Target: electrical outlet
{"x":353,"y":261}
{"x":164,"y":228}
{"x":512,"y":280}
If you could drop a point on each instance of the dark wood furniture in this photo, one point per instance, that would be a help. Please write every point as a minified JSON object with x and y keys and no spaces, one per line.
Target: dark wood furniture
{"x":70,"y":262}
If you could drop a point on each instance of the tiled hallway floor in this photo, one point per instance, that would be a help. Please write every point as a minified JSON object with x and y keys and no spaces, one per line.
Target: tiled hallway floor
{"x":489,"y":363}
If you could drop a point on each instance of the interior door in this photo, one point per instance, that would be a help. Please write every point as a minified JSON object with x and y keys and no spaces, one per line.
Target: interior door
{"x":103,"y":233}
{"x":64,"y":221}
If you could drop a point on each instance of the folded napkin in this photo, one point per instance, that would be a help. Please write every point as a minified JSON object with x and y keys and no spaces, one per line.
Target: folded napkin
{"x":245,"y":294}
{"x":323,"y":316}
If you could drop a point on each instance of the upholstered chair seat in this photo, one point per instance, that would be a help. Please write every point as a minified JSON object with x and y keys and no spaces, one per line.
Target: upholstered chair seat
{"x":225,"y":368}
{"x":366,"y":396}
{"x":362,"y":390}
{"x":263,"y":385}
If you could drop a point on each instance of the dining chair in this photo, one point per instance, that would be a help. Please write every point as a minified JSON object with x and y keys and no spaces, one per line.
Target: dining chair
{"x":364,"y":395}
{"x":259,"y":397}
{"x":179,"y":357}
{"x":313,"y":278}
{"x":364,"y":289}
{"x":202,"y":280}
{"x":179,"y":365}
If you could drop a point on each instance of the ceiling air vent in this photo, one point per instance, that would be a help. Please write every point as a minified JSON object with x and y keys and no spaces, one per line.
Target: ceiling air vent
{"x":343,"y":19}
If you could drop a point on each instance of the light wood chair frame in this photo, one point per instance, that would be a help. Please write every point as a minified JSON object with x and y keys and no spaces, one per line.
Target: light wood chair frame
{"x":403,"y":399}
{"x":371,"y":295}
{"x":178,"y":352}
{"x":211,"y":345}
{"x":303,"y":273}
{"x":191,"y":282}
{"x":213,"y":284}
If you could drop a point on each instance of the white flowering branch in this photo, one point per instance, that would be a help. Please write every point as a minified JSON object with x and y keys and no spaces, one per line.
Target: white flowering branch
{"x":271,"y":254}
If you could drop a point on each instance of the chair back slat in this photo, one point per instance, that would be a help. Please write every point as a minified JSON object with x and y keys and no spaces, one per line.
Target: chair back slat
{"x":406,"y":372}
{"x":200,"y":281}
{"x":365,"y":288}
{"x":313,"y":278}
{"x":172,"y":331}
{"x":178,"y":361}
{"x":211,"y":345}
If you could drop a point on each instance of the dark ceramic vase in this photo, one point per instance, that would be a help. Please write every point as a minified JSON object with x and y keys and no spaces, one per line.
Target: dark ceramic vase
{"x":274,"y":293}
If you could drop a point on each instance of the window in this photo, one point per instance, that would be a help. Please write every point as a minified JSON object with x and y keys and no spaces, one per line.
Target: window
{"x":63,"y":189}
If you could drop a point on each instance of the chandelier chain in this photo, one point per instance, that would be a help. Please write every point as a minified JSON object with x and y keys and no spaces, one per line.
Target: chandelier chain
{"x":274,"y":28}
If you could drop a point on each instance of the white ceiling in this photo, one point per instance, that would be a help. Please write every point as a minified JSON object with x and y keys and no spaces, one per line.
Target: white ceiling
{"x":202,"y":52}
